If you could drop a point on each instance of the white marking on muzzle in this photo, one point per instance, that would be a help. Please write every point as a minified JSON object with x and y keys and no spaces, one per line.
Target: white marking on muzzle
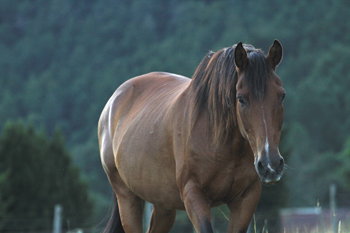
{"x":267,"y":143}
{"x":267,"y":140}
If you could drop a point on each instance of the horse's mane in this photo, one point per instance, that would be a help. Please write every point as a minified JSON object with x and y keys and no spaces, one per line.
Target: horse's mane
{"x":214,"y":87}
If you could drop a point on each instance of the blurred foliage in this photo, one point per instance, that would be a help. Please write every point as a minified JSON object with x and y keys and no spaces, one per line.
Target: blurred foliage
{"x":36,"y":174}
{"x":61,"y":60}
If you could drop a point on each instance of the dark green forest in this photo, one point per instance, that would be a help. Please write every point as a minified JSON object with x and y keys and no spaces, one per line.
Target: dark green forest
{"x":61,"y":60}
{"x":36,"y":173}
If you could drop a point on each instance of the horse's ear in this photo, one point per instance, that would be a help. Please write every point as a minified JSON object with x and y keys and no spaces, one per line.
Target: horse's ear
{"x":241,"y":56}
{"x":275,"y":54}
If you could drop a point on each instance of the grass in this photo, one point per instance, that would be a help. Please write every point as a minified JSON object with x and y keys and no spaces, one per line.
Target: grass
{"x":304,"y":230}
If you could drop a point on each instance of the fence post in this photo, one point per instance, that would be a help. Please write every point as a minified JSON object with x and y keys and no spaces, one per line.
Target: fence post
{"x":57,"y":219}
{"x":333,"y":205}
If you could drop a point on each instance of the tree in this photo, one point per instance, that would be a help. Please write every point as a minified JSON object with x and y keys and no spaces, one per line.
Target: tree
{"x":35,"y":174}
{"x":331,"y":168}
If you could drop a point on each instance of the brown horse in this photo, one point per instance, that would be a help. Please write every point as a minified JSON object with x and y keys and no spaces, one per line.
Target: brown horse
{"x":185,"y":144}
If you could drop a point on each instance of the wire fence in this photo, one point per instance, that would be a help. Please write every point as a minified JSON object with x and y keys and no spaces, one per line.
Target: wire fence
{"x":301,"y":224}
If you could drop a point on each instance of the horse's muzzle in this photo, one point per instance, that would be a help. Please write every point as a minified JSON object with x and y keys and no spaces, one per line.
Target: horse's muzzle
{"x":268,"y":173}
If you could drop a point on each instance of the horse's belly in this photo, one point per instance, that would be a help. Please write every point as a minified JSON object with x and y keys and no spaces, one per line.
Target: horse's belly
{"x":152,"y":181}
{"x":146,"y":165}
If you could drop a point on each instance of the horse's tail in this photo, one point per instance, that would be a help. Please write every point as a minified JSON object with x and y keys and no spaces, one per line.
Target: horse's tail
{"x":114,"y":224}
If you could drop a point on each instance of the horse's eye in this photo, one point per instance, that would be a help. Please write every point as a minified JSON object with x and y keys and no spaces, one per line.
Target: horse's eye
{"x":241,"y":101}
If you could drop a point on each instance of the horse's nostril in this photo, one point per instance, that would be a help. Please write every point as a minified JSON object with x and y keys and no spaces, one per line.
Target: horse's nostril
{"x":261,"y":168}
{"x":280,"y":166}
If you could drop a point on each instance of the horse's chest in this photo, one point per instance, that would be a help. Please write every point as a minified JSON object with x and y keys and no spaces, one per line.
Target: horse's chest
{"x":224,"y":184}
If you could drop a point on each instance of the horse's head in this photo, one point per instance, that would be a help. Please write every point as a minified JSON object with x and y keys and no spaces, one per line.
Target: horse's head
{"x":259,"y":107}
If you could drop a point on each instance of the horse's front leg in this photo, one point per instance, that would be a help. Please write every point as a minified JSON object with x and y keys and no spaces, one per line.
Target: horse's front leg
{"x":242,"y":209}
{"x":197,"y":207}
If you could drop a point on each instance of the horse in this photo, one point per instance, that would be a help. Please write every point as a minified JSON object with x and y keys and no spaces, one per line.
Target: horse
{"x":193,"y":144}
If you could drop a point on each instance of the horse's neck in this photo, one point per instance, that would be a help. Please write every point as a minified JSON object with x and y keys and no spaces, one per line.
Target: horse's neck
{"x":202,"y":137}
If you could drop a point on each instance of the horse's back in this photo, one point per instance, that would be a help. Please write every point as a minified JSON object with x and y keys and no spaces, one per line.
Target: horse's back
{"x":137,"y":120}
{"x":152,"y":86}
